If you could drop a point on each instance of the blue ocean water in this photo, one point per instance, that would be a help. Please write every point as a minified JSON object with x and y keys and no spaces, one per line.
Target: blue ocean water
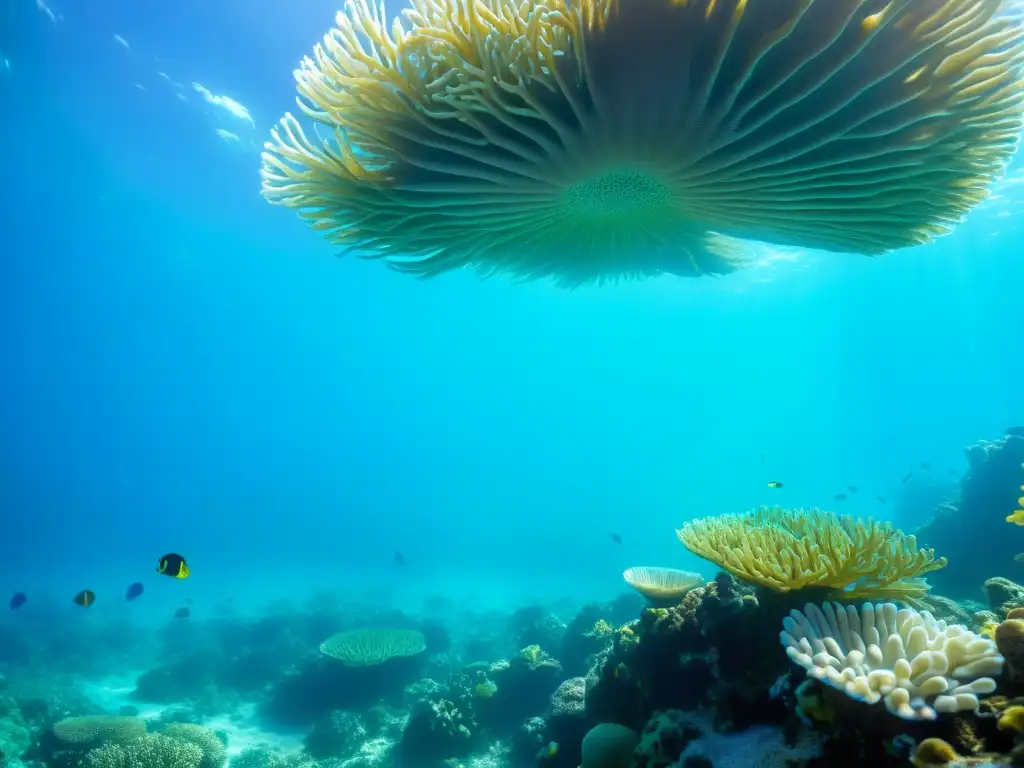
{"x":187,"y":369}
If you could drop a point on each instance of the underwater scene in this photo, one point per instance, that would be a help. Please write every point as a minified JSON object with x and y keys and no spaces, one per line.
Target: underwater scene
{"x":511,"y":384}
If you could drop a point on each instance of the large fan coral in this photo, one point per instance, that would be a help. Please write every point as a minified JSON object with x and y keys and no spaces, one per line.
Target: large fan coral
{"x":370,"y":647}
{"x":917,"y":665}
{"x":786,"y":550}
{"x":603,"y":139}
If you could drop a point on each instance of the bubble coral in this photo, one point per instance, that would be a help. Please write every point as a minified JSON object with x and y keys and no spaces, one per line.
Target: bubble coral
{"x":662,"y":586}
{"x":786,"y":550}
{"x":605,"y":139}
{"x":371,"y":647}
{"x":917,"y":665}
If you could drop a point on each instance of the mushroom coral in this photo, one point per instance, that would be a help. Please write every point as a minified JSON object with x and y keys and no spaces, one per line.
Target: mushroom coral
{"x":594,"y":140}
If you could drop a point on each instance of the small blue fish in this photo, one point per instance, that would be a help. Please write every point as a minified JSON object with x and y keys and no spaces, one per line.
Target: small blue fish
{"x":134,"y":591}
{"x":18,"y":600}
{"x":182,"y":613}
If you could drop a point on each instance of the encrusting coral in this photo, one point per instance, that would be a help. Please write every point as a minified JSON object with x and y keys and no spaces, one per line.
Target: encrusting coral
{"x":918,"y":666}
{"x":787,"y":550}
{"x":601,"y":139}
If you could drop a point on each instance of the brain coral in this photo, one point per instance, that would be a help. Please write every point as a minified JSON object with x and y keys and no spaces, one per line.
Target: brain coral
{"x":917,"y":665}
{"x":588,"y":140}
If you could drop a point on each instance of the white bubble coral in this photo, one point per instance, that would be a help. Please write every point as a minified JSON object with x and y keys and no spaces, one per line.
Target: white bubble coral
{"x":913,"y":662}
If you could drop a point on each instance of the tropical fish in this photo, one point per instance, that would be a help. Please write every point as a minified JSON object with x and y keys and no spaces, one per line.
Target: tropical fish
{"x":616,"y":538}
{"x":852,"y":489}
{"x":880,"y":499}
{"x":85,"y":598}
{"x":399,"y":558}
{"x":774,"y":484}
{"x":840,"y":497}
{"x":174,"y":566}
{"x":182,"y":613}
{"x":926,"y":465}
{"x":18,"y":600}
{"x":907,"y":476}
{"x":134,"y":591}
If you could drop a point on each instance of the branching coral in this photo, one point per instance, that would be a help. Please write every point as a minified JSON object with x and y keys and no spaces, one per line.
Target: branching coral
{"x":151,"y":751}
{"x":786,"y":550}
{"x":214,"y":752}
{"x":606,"y":139}
{"x":917,"y":665}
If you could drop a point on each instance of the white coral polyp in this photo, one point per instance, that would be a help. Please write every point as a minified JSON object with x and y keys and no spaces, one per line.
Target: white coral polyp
{"x":913,"y":662}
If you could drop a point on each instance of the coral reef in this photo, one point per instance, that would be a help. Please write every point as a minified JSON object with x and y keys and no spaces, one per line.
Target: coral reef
{"x":972,"y":531}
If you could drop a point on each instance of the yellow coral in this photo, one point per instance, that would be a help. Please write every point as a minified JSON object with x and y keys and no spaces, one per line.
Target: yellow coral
{"x":786,"y":550}
{"x":933,"y":751}
{"x":1018,"y":514}
{"x":1012,"y":719}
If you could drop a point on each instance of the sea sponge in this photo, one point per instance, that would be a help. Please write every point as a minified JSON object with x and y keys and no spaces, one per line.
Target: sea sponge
{"x":370,"y":647}
{"x":1012,"y":719}
{"x":786,"y":550}
{"x":903,"y":657}
{"x":662,"y":586}
{"x":602,"y":139}
{"x":150,"y":751}
{"x":609,"y":745}
{"x":90,"y":729}
{"x":1009,"y":637}
{"x":933,"y":751}
{"x":214,"y":751}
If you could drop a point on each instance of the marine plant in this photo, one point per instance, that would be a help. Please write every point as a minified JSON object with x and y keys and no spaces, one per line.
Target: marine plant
{"x":917,"y":665}
{"x":786,"y":550}
{"x":603,"y":139}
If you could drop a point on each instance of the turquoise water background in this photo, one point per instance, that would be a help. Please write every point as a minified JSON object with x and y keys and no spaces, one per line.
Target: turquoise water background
{"x":187,"y":369}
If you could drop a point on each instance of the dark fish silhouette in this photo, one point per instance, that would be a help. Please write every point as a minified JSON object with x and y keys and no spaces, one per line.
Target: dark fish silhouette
{"x":926,"y":465}
{"x":85,"y":598}
{"x":840,"y":497}
{"x":182,"y":613}
{"x":18,"y":600}
{"x":173,"y":565}
{"x":616,"y":538}
{"x":880,"y":499}
{"x":399,"y":558}
{"x":774,"y":484}
{"x":907,"y":476}
{"x":852,"y":489}
{"x":133,"y":591}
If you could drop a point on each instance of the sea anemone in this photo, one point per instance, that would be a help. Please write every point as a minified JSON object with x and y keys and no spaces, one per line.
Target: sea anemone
{"x":662,"y":585}
{"x":596,"y":140}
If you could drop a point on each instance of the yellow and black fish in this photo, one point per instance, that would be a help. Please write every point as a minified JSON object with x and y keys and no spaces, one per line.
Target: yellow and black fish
{"x":774,"y":484}
{"x":85,"y":598}
{"x":174,"y":566}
